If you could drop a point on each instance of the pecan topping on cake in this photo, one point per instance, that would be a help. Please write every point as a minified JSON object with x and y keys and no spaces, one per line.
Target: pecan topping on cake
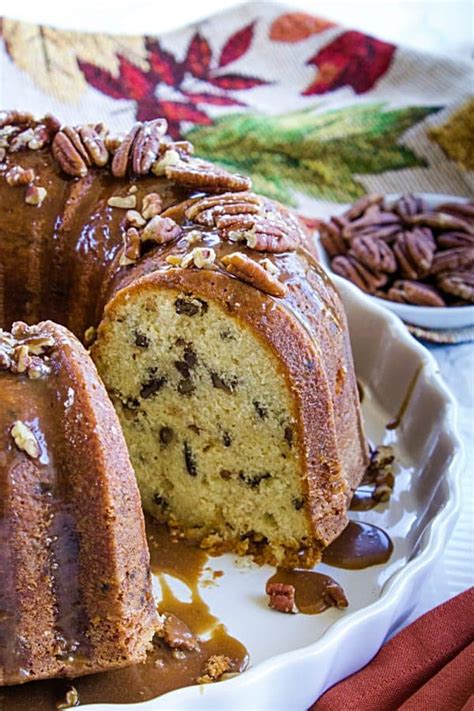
{"x":25,"y":439}
{"x":35,"y":195}
{"x":25,"y":350}
{"x":250,"y":271}
{"x":201,"y":175}
{"x":246,"y":217}
{"x":76,"y":148}
{"x":160,"y":230}
{"x":18,"y":176}
{"x":139,"y":149}
{"x":152,"y":205}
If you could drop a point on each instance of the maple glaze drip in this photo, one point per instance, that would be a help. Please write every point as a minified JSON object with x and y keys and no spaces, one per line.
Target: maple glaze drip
{"x":395,"y":423}
{"x":161,"y":672}
{"x":360,"y":545}
{"x":314,"y":592}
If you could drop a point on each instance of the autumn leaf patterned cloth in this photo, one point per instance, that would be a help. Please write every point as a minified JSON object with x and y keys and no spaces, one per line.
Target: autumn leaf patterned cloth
{"x":313,"y":112}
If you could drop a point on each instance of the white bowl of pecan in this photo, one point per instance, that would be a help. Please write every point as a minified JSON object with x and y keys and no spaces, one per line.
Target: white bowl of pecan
{"x":414,"y":254}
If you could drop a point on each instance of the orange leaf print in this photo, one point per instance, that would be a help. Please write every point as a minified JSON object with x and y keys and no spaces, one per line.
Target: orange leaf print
{"x":297,"y":26}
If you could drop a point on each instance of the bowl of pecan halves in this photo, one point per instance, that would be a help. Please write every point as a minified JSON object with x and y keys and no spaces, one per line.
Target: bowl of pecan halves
{"x":412,"y":253}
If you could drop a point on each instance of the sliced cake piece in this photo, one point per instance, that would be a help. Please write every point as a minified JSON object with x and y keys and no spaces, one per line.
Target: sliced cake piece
{"x":232,"y":375}
{"x":75,"y":592}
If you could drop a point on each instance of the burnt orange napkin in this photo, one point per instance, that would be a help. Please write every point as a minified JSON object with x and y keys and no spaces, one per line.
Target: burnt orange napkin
{"x":428,"y":666}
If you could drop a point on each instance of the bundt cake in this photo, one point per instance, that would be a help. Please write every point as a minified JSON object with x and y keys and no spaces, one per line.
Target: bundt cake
{"x":75,"y":590}
{"x":220,"y":340}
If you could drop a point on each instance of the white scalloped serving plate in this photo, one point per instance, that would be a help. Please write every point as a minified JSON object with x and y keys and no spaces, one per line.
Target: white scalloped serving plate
{"x":424,"y":316}
{"x":294,"y":658}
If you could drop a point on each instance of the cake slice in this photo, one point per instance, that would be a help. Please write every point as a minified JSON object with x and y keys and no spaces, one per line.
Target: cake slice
{"x":75,"y":591}
{"x":231,"y":371}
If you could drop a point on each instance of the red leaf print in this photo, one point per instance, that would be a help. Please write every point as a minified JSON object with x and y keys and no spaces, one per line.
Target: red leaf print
{"x":235,"y":82}
{"x":178,"y":111}
{"x":212,"y":99}
{"x":353,"y":59}
{"x":103,"y":81}
{"x":198,"y":58}
{"x":163,"y":65}
{"x":137,"y":84}
{"x":237,"y":45}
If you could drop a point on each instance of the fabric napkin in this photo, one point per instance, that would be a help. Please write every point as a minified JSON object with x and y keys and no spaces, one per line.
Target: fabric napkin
{"x":428,"y":666}
{"x":315,"y":113}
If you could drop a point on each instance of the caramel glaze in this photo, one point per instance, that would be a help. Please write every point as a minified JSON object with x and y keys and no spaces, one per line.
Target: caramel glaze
{"x":359,"y":546}
{"x":162,"y":671}
{"x":54,"y":258}
{"x":314,"y":592}
{"x":23,"y":523}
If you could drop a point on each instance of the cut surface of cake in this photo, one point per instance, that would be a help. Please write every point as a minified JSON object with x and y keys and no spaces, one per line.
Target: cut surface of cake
{"x":75,"y":593}
{"x":237,"y":397}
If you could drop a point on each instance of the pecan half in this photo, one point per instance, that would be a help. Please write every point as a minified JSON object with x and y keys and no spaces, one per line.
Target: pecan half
{"x":464,"y":210}
{"x":250,"y":271}
{"x":124,"y":151}
{"x":245,"y":217}
{"x":458,"y":283}
{"x":72,"y":159}
{"x":440,"y":221}
{"x":374,"y":254}
{"x":207,"y":210}
{"x":201,"y":175}
{"x":415,"y":292}
{"x":131,"y":247}
{"x":448,"y":240}
{"x":331,"y":238}
{"x":281,"y":597}
{"x":146,"y":145}
{"x":374,"y":222}
{"x":414,"y":251}
{"x":460,"y":258}
{"x":408,"y":205}
{"x":350,"y":268}
{"x":10,"y":118}
{"x":93,"y":140}
{"x":361,"y":205}
{"x":160,"y":230}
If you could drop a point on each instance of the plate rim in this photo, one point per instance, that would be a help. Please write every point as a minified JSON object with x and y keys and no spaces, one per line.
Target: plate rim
{"x":433,"y":540}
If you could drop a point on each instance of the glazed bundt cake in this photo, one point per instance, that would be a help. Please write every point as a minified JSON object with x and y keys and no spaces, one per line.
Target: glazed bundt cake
{"x":75,"y":590}
{"x":220,"y":340}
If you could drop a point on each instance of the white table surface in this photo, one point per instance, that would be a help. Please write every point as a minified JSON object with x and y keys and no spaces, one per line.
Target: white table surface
{"x":436,"y":25}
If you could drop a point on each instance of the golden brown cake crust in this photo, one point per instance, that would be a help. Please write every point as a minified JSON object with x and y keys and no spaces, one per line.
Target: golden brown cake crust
{"x":77,"y":598}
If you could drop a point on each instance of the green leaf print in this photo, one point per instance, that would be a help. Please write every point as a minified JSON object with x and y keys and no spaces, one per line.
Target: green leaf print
{"x":317,"y":153}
